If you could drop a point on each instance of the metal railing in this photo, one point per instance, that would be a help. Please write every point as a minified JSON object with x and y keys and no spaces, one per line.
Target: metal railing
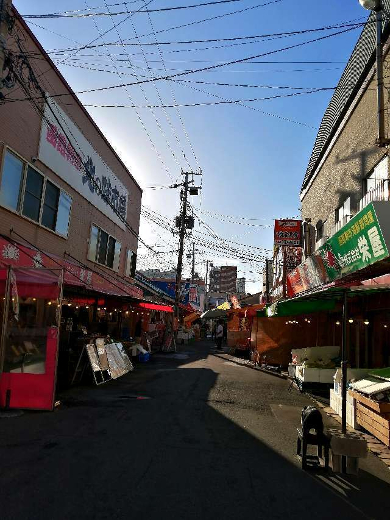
{"x":341,"y":223}
{"x":380,"y":192}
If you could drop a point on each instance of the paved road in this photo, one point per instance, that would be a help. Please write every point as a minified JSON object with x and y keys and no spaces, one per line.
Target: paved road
{"x":214,"y":440}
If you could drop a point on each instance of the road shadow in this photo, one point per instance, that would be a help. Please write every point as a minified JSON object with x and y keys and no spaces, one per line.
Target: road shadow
{"x":187,"y":452}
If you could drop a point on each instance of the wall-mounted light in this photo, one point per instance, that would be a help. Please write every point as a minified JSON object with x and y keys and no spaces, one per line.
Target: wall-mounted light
{"x":87,"y":306}
{"x":366,"y":322}
{"x":337,"y":323}
{"x":49,"y":303}
{"x":350,"y":320}
{"x":69,"y":305}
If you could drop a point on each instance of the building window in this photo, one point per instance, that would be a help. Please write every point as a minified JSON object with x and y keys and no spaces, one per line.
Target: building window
{"x":32,"y":194}
{"x":131,"y":263}
{"x":11,"y":181}
{"x":377,"y":176}
{"x":50,"y":206}
{"x":319,"y":230}
{"x":104,"y":249}
{"x":343,"y":212}
{"x":40,"y":201}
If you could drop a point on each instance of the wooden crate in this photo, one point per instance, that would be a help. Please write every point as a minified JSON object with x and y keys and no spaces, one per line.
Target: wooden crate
{"x":382,"y":408}
{"x":375,"y":423}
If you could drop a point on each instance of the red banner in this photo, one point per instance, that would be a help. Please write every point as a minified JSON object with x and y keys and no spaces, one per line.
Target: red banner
{"x":288,"y":233}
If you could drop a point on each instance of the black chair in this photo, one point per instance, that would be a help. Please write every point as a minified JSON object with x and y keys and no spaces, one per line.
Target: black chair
{"x":311,"y":419}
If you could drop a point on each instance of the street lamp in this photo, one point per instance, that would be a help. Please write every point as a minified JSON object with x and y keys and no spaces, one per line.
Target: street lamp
{"x":376,"y":6}
{"x":371,"y":5}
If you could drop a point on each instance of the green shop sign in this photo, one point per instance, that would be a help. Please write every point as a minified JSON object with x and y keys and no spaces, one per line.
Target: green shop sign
{"x":356,"y":245}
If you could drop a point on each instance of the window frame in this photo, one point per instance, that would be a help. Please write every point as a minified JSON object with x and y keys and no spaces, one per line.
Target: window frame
{"x":337,"y":218}
{"x":22,"y":192}
{"x":116,"y":263}
{"x":371,"y":172}
{"x":21,"y":187}
{"x":129,"y":268}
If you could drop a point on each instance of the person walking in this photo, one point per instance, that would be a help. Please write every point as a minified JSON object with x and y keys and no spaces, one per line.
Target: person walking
{"x":219,"y":335}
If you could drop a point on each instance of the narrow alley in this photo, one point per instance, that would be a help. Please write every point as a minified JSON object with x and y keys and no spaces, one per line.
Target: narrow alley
{"x":191,"y":435}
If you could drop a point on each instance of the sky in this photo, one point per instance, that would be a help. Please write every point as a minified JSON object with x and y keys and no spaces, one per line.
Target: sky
{"x":253,"y":154}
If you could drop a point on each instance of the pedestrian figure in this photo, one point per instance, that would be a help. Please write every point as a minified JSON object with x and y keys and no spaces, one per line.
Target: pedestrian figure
{"x":219,"y":335}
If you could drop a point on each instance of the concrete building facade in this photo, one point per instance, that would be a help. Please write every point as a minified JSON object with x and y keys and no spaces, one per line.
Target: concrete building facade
{"x":62,"y":186}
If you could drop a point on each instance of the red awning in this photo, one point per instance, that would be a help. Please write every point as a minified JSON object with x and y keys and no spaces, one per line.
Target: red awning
{"x":155,"y":307}
{"x":17,"y":255}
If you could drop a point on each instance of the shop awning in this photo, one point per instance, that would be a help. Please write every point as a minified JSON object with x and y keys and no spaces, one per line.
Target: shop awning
{"x":294,"y":308}
{"x":154,"y":307}
{"x":17,"y":255}
{"x":320,"y":301}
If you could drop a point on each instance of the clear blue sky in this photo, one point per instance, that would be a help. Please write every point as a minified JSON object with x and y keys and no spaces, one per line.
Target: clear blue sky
{"x":253,"y":164}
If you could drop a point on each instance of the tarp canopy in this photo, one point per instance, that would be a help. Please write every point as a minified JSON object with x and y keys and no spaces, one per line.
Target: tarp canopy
{"x":319,"y":301}
{"x":293,"y":308}
{"x":213,"y":314}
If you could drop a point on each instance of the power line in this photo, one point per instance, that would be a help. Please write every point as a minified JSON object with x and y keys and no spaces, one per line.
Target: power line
{"x":34,"y":81}
{"x":68,"y":14}
{"x":341,"y":25}
{"x":212,"y":67}
{"x":219,"y":65}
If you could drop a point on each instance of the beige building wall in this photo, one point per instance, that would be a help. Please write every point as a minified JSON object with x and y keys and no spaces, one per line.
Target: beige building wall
{"x":351,"y":157}
{"x":20,"y":131}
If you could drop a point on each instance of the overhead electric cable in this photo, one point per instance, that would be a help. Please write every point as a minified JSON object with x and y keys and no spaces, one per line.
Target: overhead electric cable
{"x":68,"y":14}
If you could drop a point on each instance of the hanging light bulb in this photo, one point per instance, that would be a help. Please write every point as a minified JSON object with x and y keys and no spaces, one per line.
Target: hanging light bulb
{"x":87,"y":306}
{"x":337,"y":323}
{"x":49,"y":303}
{"x":69,"y":305}
{"x":385,"y":326}
{"x":350,"y":320}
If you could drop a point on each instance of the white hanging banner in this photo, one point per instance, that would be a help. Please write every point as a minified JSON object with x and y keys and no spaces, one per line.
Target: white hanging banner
{"x":85,"y":170}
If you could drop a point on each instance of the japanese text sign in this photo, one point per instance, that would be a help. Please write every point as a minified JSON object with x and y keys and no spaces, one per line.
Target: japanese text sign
{"x":288,"y":233}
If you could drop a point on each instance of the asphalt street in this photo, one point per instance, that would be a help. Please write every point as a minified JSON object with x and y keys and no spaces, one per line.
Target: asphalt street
{"x":187,"y":436}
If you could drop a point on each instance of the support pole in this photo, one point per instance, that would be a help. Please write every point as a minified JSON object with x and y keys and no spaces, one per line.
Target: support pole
{"x":193,"y":263}
{"x":266,"y":280}
{"x":182,"y":232}
{"x":381,"y":141}
{"x":344,"y":363}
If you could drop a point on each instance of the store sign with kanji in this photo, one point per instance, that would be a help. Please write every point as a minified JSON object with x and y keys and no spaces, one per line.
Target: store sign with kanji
{"x":288,"y":233}
{"x":358,"y":244}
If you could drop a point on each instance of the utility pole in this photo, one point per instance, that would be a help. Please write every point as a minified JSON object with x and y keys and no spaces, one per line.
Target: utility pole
{"x":183,"y":223}
{"x":267,"y":280}
{"x":193,"y":263}
{"x":5,"y":13}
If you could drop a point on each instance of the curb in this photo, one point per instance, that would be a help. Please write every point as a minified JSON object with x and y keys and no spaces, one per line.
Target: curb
{"x":249,"y":364}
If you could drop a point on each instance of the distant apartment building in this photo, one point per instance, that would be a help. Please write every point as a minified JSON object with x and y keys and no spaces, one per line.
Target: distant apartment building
{"x":223,"y":279}
{"x":240,"y":285}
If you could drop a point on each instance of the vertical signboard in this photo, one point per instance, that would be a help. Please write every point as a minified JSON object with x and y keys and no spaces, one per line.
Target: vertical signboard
{"x":287,"y":253}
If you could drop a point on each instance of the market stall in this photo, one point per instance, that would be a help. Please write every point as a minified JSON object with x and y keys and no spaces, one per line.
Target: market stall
{"x":31,"y":305}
